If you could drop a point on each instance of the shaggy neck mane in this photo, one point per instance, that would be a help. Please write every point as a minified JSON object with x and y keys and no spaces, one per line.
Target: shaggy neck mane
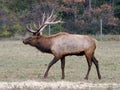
{"x":43,"y":44}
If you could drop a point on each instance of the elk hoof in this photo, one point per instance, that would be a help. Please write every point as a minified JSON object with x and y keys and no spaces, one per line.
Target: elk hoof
{"x":62,"y":77}
{"x":99,"y":77}
{"x":45,"y":75}
{"x":86,"y":78}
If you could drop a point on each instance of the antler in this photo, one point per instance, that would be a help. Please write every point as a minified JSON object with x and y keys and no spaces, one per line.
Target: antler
{"x":29,"y":28}
{"x":49,"y":19}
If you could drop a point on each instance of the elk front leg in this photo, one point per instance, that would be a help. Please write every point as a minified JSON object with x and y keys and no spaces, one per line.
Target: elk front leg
{"x":62,"y":67}
{"x":89,"y":68}
{"x":49,"y":66}
{"x":89,"y":61}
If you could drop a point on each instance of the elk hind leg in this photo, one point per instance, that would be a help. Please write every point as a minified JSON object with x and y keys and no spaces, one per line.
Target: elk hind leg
{"x":62,"y":67}
{"x":95,"y":61}
{"x":89,"y":61}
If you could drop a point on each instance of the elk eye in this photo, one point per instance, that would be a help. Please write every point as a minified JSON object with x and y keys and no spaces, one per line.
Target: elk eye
{"x":29,"y":39}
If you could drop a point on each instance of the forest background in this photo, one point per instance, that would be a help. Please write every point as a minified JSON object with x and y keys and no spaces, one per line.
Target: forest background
{"x":79,"y":16}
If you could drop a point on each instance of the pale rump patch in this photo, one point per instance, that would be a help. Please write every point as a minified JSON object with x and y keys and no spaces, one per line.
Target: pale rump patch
{"x":55,"y":85}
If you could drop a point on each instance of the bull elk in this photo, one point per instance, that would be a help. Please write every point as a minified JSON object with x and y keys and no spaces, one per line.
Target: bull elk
{"x":62,"y":44}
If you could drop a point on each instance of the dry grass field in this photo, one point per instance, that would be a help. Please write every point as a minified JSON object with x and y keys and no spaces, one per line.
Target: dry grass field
{"x":19,"y":62}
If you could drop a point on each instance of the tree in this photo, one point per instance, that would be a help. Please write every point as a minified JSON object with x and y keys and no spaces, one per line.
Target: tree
{"x":117,"y":8}
{"x":104,"y":12}
{"x":78,"y":17}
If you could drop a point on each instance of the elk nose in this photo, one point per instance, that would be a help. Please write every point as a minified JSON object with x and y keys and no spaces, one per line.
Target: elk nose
{"x":24,"y":42}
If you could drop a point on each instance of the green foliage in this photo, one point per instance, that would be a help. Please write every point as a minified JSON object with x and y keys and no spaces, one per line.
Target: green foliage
{"x":117,"y":11}
{"x":7,"y":31}
{"x":1,"y":4}
{"x":4,"y":32}
{"x":17,"y":28}
{"x":57,"y":28}
{"x":54,"y":29}
{"x":20,"y":5}
{"x":80,"y":8}
{"x":15,"y":14}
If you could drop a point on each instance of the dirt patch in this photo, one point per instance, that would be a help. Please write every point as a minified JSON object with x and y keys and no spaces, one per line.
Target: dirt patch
{"x":55,"y":85}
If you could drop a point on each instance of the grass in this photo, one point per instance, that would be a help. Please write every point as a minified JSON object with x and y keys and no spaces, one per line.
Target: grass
{"x":20,"y":62}
{"x":25,"y":88}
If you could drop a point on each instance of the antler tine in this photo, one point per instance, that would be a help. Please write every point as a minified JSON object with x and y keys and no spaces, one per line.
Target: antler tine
{"x":44,"y":24}
{"x":43,"y":18}
{"x":51,"y":13}
{"x":40,"y":24}
{"x":42,"y":28}
{"x":29,"y":28}
{"x":50,"y":16}
{"x":52,"y":21}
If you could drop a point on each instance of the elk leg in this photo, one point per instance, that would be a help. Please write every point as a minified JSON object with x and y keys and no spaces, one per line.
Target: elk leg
{"x":95,"y":61}
{"x":89,"y":66}
{"x":49,"y":66}
{"x":62,"y":67}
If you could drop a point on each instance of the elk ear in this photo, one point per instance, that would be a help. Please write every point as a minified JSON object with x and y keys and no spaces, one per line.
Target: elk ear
{"x":40,"y":33}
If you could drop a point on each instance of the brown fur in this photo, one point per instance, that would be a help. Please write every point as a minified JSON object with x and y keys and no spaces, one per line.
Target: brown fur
{"x":64,"y":44}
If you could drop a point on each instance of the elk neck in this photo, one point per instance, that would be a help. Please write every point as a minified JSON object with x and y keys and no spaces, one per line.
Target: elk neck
{"x":44,"y":44}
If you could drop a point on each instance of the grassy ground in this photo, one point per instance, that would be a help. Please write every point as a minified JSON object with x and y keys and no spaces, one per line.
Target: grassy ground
{"x":20,"y":62}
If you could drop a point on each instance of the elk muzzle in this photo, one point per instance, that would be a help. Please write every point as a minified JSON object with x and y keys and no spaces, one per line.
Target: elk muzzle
{"x":27,"y":40}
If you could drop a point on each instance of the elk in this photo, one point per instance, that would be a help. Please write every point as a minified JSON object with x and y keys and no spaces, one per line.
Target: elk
{"x":62,"y":44}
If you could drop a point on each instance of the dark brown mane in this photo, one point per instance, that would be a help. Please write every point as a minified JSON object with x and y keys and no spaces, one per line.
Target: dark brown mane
{"x":46,"y":41}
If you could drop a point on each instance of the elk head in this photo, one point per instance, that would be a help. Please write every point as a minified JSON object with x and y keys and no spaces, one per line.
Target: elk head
{"x":37,"y":33}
